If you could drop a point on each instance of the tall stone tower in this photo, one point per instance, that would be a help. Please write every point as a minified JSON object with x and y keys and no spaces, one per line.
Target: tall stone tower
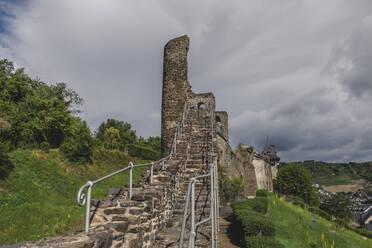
{"x":175,"y":89}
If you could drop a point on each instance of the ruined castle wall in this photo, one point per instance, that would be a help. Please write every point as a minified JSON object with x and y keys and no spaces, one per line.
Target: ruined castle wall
{"x":222,"y":120}
{"x":246,"y":162}
{"x":236,"y":167}
{"x":263,"y":173}
{"x":175,"y":88}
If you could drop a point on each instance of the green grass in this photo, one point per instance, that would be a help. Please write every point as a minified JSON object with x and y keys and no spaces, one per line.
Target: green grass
{"x":341,"y":179}
{"x":38,"y":199}
{"x":293,"y":229}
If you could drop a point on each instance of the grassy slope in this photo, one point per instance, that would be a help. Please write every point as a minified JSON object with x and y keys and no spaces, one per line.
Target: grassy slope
{"x":293,"y":229}
{"x":39,"y":197}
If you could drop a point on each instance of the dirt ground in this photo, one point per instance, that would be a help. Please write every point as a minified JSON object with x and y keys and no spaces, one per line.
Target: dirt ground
{"x":353,"y":187}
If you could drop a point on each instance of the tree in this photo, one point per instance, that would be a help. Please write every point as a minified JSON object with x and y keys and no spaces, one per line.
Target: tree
{"x":78,"y":147}
{"x":127,"y":135}
{"x":337,"y":205}
{"x":293,"y":179}
{"x":35,"y":111}
{"x":111,"y":138}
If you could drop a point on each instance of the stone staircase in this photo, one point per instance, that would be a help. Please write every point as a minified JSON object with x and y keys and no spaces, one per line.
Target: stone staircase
{"x":197,"y":163}
{"x":153,"y":217}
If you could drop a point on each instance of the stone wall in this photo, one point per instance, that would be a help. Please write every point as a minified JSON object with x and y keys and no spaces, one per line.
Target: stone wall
{"x":255,"y":168}
{"x":222,"y":126}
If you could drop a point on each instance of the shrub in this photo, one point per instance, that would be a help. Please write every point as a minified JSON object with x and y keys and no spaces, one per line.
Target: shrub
{"x":44,"y":146}
{"x":262,"y":242}
{"x":258,"y":204}
{"x":295,"y":200}
{"x":78,"y":148}
{"x":253,"y":223}
{"x":141,"y":151}
{"x":262,"y":192}
{"x":363,"y":232}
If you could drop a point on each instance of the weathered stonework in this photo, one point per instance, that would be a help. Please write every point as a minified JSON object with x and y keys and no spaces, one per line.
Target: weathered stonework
{"x":222,"y":120}
{"x":152,"y":217}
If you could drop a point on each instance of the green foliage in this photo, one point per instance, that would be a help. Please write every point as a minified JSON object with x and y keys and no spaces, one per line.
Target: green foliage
{"x":250,"y":219}
{"x":293,"y":228}
{"x":44,"y":146}
{"x":295,"y":200}
{"x":293,"y":179}
{"x":139,"y":151}
{"x":258,"y":204}
{"x":262,"y":192}
{"x":337,"y":205}
{"x":6,"y":165}
{"x":38,"y":199}
{"x":337,"y":173}
{"x":126,"y":134}
{"x":78,"y":148}
{"x":321,"y":213}
{"x":364,"y":232}
{"x":31,"y":111}
{"x":253,"y":223}
{"x":262,"y":242}
{"x":111,"y":138}
{"x":229,"y":188}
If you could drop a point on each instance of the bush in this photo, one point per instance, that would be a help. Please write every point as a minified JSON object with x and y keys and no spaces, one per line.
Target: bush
{"x":262,"y":242}
{"x":253,"y":223}
{"x":44,"y":146}
{"x":295,"y":200}
{"x":262,"y":192}
{"x":363,"y":232}
{"x":258,"y":204}
{"x":141,"y":151}
{"x":6,"y":165}
{"x":78,"y":148}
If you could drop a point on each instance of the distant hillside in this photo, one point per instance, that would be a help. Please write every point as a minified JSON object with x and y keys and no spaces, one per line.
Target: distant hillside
{"x":329,"y":174}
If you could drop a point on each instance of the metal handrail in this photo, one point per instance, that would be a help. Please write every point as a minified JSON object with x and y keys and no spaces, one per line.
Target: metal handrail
{"x":82,"y":199}
{"x":214,"y":204}
{"x":212,"y":211}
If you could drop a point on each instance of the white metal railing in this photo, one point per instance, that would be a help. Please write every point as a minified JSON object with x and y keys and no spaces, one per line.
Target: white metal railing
{"x":213,"y":212}
{"x":82,"y":199}
{"x":214,"y":203}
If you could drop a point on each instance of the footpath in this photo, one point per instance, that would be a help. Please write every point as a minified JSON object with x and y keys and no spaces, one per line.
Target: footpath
{"x":226,"y":237}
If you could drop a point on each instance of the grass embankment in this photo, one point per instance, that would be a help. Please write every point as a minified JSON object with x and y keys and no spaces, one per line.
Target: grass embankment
{"x":293,"y":229}
{"x":38,"y":199}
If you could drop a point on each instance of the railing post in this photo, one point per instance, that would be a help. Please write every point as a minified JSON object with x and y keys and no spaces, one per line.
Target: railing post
{"x":163,"y":164}
{"x":130,"y":180}
{"x":87,"y":211}
{"x":175,"y":144}
{"x":212,"y":207}
{"x":217,"y":195}
{"x":151,"y":172}
{"x":192,"y":227}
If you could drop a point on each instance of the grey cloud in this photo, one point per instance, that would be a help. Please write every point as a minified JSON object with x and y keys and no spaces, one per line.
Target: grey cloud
{"x":265,"y":61}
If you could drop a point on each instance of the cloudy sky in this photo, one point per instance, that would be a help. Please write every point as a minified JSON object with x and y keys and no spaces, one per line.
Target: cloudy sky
{"x":298,"y":71}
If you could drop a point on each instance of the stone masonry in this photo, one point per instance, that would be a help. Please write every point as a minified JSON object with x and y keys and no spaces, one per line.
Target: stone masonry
{"x":152,"y":218}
